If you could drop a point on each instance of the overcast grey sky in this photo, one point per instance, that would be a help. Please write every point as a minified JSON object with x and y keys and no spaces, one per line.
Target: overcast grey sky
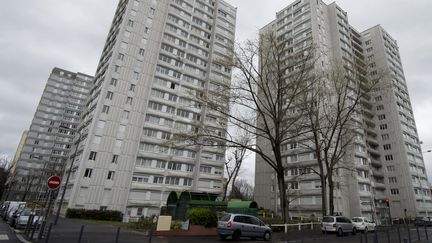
{"x":39,"y":35}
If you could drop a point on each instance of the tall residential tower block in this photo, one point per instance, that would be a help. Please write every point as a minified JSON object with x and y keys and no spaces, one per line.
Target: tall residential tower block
{"x":385,"y":160}
{"x":44,"y":148}
{"x":159,"y":60}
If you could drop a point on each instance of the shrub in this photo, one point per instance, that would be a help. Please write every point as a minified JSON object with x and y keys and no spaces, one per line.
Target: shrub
{"x":176,"y":225}
{"x":202,"y":216}
{"x":108,"y":215}
{"x":143,"y":223}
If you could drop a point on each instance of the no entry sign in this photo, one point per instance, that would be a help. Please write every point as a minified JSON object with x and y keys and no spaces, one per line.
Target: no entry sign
{"x":53,"y":182}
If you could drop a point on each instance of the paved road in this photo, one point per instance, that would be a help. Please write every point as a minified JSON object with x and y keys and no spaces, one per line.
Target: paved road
{"x":6,"y":234}
{"x":68,"y":232}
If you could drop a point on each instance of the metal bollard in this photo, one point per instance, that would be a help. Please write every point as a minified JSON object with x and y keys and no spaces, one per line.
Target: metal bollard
{"x":426,"y":233}
{"x":418,"y":233}
{"x":366,"y":236}
{"x":376,"y":237}
{"x":388,"y":236}
{"x":48,"y":233}
{"x":361,"y":238}
{"x":28,"y":225}
{"x":409,"y":234}
{"x":34,"y":229}
{"x":81,"y":234}
{"x":117,"y":235}
{"x":399,"y":236}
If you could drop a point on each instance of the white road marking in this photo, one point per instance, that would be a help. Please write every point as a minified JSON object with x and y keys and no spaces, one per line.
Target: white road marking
{"x":4,"y":237}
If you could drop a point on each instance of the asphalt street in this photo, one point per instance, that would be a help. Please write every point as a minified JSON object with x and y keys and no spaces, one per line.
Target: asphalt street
{"x":68,"y":231}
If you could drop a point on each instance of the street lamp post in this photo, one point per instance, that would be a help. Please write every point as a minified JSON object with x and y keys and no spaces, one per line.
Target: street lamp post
{"x":67,"y":178}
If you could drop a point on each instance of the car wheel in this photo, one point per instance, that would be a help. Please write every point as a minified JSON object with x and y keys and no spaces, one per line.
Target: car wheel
{"x":236,"y":235}
{"x":354,"y":231}
{"x":340,"y":232}
{"x":222,"y":237}
{"x":267,"y":236}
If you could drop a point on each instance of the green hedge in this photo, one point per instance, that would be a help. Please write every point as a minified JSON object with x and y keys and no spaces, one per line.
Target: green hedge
{"x":108,"y":215}
{"x":202,"y":216}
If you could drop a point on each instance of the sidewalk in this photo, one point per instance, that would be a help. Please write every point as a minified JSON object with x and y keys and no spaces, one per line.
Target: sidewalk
{"x":6,"y":234}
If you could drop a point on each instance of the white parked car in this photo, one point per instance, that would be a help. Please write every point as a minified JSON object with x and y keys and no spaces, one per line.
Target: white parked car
{"x":337,"y":224}
{"x":23,"y":218}
{"x":364,"y":224}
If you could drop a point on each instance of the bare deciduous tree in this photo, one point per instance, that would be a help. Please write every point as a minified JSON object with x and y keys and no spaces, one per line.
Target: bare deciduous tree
{"x":262,"y":96}
{"x":243,"y":190}
{"x":235,"y":158}
{"x":332,"y":109}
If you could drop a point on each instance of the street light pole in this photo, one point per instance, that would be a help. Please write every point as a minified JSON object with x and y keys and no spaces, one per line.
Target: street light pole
{"x":67,"y":179}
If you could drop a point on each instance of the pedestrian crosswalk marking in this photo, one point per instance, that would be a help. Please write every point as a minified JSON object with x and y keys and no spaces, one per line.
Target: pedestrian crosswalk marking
{"x":4,"y":237}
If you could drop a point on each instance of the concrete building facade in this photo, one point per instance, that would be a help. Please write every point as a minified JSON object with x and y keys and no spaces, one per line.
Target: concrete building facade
{"x":375,"y":150}
{"x":159,"y":59}
{"x":44,"y":148}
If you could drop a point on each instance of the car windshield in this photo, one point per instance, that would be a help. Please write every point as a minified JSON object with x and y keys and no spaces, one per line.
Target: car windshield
{"x":328,"y":219}
{"x":357,"y":220}
{"x":226,"y":217}
{"x":26,"y":212}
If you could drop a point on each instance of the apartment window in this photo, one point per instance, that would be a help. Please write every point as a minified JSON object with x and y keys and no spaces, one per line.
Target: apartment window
{"x":110,"y":175}
{"x":368,"y":42}
{"x":109,"y":95}
{"x":391,"y":168}
{"x":136,"y":75}
{"x":130,"y":23}
{"x":152,"y":11}
{"x":116,"y":68}
{"x":129,"y":100}
{"x":158,"y":179}
{"x":380,"y":107}
{"x":92,"y":155}
{"x":114,"y":159}
{"x":369,"y":49}
{"x":381,"y":117}
{"x":88,"y":172}
{"x":385,"y":136}
{"x":132,"y":87}
{"x":388,"y":157}
{"x":105,"y":109}
{"x":141,"y":51}
{"x":392,"y":180}
{"x":294,"y":185}
{"x":383,"y":126}
{"x":125,"y":114}
{"x":394,"y":191}
{"x":387,"y":146}
{"x":113,"y":82}
{"x":378,"y":98}
{"x":121,"y":56}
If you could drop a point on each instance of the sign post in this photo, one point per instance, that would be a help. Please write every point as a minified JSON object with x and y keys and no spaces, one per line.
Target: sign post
{"x":53,"y":183}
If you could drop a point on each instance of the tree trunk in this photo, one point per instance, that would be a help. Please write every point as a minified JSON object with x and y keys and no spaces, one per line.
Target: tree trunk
{"x":283,"y":197}
{"x":331,"y":193}
{"x":234,"y":177}
{"x":323,"y":195}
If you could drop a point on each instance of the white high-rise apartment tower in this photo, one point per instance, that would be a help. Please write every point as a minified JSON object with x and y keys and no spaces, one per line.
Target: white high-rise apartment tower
{"x":386,"y":154}
{"x":159,"y":59}
{"x":44,"y":148}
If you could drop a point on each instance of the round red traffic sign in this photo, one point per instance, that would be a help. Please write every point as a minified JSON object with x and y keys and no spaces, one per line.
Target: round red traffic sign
{"x":53,"y":182}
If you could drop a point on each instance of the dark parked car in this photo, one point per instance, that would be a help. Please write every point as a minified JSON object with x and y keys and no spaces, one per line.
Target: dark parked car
{"x":242,"y":225}
{"x":422,"y":221}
